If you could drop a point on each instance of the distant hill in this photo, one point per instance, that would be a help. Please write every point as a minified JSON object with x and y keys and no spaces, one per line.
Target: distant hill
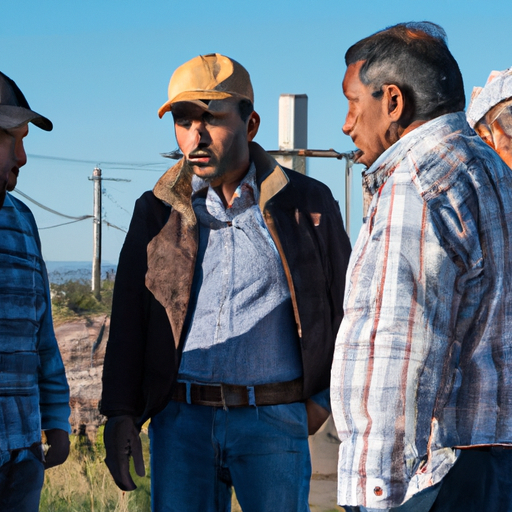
{"x":61,"y":271}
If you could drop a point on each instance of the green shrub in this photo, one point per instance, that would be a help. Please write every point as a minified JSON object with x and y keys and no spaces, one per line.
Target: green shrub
{"x":74,"y":299}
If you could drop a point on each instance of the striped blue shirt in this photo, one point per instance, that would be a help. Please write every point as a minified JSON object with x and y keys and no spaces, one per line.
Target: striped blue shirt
{"x":34,"y":393}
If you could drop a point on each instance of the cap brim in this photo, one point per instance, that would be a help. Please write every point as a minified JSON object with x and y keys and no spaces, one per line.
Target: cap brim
{"x":497,"y":90}
{"x":13,"y":117}
{"x":195,"y":97}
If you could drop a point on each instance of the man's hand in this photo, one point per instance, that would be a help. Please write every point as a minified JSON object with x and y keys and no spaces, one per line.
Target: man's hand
{"x":317,"y":416}
{"x":58,"y":452}
{"x":122,"y":441}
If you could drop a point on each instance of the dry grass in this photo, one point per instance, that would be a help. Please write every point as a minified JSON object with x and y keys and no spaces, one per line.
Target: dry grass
{"x":83,"y":483}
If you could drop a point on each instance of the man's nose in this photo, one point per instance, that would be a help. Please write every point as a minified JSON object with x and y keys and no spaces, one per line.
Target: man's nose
{"x":348,"y":125}
{"x":201,"y":133}
{"x":21,"y":155}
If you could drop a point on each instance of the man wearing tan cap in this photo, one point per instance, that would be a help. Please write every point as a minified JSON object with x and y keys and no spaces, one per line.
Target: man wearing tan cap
{"x":227,"y":301}
{"x":34,"y":393}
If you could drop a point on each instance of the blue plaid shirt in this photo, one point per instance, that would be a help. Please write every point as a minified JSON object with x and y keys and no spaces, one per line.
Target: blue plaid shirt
{"x":34,"y":393}
{"x":423,"y":356}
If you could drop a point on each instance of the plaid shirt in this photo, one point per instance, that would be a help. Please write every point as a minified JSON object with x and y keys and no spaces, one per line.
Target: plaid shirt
{"x":424,"y":352}
{"x":34,"y":392}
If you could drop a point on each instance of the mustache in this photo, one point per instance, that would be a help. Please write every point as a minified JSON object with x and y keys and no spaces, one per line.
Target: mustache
{"x":199,"y":152}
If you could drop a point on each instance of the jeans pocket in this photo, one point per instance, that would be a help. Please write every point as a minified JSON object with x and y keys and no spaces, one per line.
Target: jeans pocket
{"x":290,"y":419}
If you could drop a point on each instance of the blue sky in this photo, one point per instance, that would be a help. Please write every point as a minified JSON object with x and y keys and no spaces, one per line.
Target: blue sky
{"x":99,"y":70}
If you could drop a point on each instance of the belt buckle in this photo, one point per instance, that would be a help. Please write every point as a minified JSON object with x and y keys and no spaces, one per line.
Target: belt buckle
{"x":206,"y":394}
{"x":234,"y":396}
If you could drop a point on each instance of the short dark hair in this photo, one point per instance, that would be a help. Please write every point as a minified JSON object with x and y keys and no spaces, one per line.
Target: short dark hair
{"x":414,"y":57}
{"x":246,"y":108}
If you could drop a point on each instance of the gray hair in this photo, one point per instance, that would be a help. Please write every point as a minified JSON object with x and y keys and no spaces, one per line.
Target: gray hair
{"x":413,"y":56}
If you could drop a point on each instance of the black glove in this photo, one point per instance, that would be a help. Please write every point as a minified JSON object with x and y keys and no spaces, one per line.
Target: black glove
{"x":58,"y":452}
{"x":122,"y":441}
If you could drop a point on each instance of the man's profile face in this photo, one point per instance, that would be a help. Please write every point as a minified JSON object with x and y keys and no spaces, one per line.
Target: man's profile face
{"x":12,"y":157}
{"x":214,"y":142}
{"x":496,"y":131}
{"x":366,"y":122}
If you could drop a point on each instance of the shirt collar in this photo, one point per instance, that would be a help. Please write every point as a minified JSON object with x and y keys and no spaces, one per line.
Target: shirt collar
{"x":420,"y":140}
{"x":245,"y":196}
{"x":8,"y":200}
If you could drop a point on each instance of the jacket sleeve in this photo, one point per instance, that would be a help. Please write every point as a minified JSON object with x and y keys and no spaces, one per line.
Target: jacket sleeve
{"x":123,"y":372}
{"x":317,"y":249}
{"x":337,"y":255}
{"x":336,"y":250}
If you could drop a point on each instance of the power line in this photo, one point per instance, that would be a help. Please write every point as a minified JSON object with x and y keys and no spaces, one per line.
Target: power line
{"x":94,"y":162}
{"x":135,"y":169}
{"x":64,"y":223}
{"x":75,"y":219}
{"x":83,"y":217}
{"x":113,"y":226}
{"x":109,"y":196}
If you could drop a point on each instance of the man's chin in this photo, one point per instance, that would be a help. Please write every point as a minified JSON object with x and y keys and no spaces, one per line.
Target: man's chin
{"x":205,"y":172}
{"x":363,"y":159}
{"x":358,"y":157}
{"x":12,"y":181}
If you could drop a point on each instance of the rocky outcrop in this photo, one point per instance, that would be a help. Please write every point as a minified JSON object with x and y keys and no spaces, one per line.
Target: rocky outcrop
{"x":82,"y":345}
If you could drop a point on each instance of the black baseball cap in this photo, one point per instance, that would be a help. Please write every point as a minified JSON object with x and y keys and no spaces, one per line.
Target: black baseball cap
{"x":14,"y":108}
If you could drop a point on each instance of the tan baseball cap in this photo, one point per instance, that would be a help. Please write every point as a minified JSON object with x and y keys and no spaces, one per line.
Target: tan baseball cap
{"x":208,"y":77}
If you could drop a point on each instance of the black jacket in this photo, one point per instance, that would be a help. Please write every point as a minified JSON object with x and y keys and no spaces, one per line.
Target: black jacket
{"x":155,"y":272}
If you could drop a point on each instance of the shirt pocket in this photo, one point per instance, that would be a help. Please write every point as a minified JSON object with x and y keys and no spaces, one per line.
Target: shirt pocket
{"x":21,"y":303}
{"x":18,"y":373}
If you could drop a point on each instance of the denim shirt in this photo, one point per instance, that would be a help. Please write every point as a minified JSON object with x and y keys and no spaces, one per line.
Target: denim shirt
{"x":34,"y":393}
{"x":242,"y":327}
{"x":422,"y":359}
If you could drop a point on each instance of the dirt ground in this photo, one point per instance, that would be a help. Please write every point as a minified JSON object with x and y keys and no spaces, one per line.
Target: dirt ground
{"x":324,"y":456}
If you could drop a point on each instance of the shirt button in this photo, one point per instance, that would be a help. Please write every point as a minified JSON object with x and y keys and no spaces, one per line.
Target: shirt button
{"x":377,"y":491}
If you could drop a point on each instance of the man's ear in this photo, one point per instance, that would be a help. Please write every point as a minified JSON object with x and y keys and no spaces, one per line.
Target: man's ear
{"x":394,"y":102}
{"x":253,"y":125}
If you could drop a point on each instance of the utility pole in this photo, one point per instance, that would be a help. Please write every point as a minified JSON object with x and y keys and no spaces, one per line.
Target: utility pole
{"x":96,"y":231}
{"x":293,"y":141}
{"x":293,"y":129}
{"x":96,"y":234}
{"x":349,"y":162}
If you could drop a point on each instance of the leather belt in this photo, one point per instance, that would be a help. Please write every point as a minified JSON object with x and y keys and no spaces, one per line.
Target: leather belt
{"x":232,"y":395}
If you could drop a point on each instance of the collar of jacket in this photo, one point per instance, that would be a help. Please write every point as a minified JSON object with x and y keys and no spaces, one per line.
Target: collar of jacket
{"x":175,"y":186}
{"x":171,"y":254}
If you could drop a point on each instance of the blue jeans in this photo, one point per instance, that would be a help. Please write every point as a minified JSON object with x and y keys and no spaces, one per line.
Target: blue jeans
{"x":480,"y":481}
{"x":198,"y":453}
{"x":21,"y":480}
